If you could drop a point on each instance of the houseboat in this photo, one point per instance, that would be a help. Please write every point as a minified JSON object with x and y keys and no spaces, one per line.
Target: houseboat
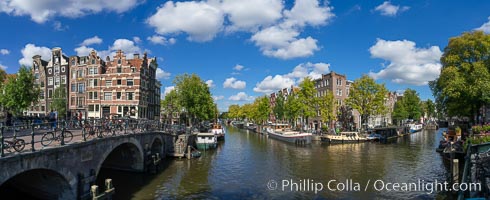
{"x":387,"y":133}
{"x":219,"y":131}
{"x":205,"y":141}
{"x":284,"y":133}
{"x":344,"y":137}
{"x":415,"y":127}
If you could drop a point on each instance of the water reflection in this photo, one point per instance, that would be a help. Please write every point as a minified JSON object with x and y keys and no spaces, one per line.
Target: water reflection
{"x":243,"y":165}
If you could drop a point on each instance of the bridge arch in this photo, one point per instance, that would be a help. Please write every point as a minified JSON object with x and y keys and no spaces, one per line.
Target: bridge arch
{"x":40,"y":183}
{"x":157,"y":145}
{"x":125,"y":155}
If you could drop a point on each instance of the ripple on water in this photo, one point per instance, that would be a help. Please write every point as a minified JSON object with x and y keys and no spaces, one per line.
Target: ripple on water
{"x":243,"y":165}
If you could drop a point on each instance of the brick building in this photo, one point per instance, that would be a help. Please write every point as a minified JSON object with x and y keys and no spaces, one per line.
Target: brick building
{"x":100,"y":88}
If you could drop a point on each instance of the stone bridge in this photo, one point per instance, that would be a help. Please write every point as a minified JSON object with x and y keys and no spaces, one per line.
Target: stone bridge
{"x":67,"y":172}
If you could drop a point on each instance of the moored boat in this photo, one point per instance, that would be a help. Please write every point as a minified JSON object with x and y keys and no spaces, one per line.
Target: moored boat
{"x":373,"y":137}
{"x":289,"y":136}
{"x":219,"y":131}
{"x":344,"y":137}
{"x":205,"y":141}
{"x":415,"y":127}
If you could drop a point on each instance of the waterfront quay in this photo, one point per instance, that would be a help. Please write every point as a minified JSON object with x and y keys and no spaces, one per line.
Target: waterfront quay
{"x":246,"y":165}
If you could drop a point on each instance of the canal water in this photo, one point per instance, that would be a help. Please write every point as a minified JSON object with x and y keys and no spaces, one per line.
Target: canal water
{"x":248,"y":166}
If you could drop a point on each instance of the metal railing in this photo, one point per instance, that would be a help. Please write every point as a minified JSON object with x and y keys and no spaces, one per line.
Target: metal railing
{"x":34,"y":135}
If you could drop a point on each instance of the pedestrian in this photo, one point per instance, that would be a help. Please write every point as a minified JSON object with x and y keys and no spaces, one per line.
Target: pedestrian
{"x":8,"y":120}
{"x":79,"y":118}
{"x":52,"y":120}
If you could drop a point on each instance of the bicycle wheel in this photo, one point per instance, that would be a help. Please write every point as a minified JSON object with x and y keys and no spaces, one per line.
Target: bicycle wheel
{"x":47,"y":138}
{"x":7,"y":146}
{"x":68,"y":136}
{"x":19,"y":145}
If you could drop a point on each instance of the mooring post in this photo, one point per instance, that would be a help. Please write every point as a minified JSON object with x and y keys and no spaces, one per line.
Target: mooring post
{"x":455,"y":171}
{"x":32,"y":138}
{"x":2,"y":153}
{"x":188,"y":151}
{"x":94,"y":191}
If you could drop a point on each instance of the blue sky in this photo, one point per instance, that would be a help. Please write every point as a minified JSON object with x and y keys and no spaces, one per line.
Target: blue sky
{"x":246,"y":49}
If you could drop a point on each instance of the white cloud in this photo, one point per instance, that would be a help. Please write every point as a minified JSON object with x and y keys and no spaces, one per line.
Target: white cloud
{"x":157,"y":39}
{"x":217,"y":98}
{"x":210,"y":83}
{"x":275,"y":30}
{"x":388,"y":9}
{"x":241,"y":96}
{"x":485,"y":27}
{"x":251,"y":14}
{"x":58,"y":26}
{"x":161,"y":74}
{"x":168,"y":90}
{"x":83,"y":50}
{"x":4,"y":51}
{"x":238,"y":67}
{"x":41,"y":11}
{"x":234,"y":83}
{"x":137,"y":39}
{"x":407,"y":64}
{"x":272,"y":84}
{"x":312,"y":70}
{"x":308,"y":12}
{"x":200,"y":20}
{"x":303,"y":47}
{"x":90,"y":41}
{"x":3,"y":67}
{"x":31,"y":50}
{"x":127,"y":46}
{"x":281,"y":40}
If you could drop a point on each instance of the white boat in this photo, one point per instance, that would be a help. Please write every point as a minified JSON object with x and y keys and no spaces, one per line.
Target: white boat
{"x":287,"y":135}
{"x":344,"y":137}
{"x":206,"y":141}
{"x":415,"y":127}
{"x":373,"y":137}
{"x":219,"y":131}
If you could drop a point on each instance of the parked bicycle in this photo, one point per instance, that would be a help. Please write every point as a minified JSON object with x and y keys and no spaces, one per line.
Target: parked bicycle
{"x":90,"y":130}
{"x":16,"y":144}
{"x":51,"y":136}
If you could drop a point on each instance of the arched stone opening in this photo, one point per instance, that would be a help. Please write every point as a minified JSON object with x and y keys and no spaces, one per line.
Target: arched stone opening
{"x":38,"y":184}
{"x":127,"y":157}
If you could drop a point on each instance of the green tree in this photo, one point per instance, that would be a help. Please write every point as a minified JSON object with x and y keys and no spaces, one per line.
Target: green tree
{"x":399,"y":112}
{"x":430,"y":108}
{"x":367,"y":97}
{"x":171,"y":103}
{"x":233,"y":111}
{"x":3,"y":76}
{"x":293,"y":107}
{"x":262,"y":109}
{"x":60,"y":103}
{"x":463,"y":86}
{"x":279,"y":107}
{"x":195,"y":97}
{"x":20,"y":91}
{"x":412,"y":104}
{"x":307,"y":99}
{"x":327,"y":107}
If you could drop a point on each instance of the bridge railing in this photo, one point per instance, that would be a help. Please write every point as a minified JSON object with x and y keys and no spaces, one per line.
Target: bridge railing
{"x":30,"y":136}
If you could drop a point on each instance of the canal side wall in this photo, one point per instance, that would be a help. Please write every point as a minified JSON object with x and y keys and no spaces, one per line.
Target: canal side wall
{"x":77,"y":165}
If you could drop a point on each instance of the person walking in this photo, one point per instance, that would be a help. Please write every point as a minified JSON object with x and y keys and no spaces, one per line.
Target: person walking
{"x":52,"y":120}
{"x":79,"y":118}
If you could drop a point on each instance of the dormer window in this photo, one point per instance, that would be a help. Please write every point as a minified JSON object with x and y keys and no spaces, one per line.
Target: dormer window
{"x":119,"y":61}
{"x":93,"y":61}
{"x":73,"y":62}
